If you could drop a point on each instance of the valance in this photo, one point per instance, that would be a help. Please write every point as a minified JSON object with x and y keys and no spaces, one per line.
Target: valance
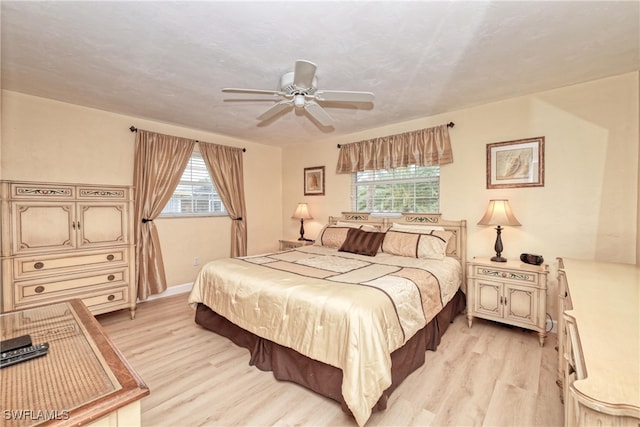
{"x":424,"y":147}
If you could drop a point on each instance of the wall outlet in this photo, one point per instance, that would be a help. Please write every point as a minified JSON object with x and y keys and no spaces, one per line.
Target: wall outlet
{"x":196,"y":261}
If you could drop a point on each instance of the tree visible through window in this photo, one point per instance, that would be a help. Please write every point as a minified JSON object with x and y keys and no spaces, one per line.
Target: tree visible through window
{"x":195,"y":194}
{"x":406,"y":189}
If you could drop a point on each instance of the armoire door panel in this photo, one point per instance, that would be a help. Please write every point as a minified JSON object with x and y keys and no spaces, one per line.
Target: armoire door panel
{"x":43,"y":226}
{"x":102,"y":224}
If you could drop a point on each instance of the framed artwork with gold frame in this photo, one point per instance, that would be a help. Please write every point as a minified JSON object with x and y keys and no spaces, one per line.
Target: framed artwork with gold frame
{"x":513,"y":164}
{"x":314,"y":181}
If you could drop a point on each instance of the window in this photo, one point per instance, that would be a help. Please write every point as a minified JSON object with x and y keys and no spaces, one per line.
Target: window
{"x":195,"y":194}
{"x":405,"y":189}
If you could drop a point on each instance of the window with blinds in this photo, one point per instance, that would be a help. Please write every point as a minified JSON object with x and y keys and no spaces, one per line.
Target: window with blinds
{"x":195,"y":195}
{"x":405,"y":189}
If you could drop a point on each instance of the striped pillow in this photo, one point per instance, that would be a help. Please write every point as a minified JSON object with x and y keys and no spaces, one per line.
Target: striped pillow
{"x":362,"y":242}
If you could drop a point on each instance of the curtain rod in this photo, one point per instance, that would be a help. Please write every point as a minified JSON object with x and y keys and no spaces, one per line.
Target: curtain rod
{"x":135,"y":129}
{"x":449,"y":125}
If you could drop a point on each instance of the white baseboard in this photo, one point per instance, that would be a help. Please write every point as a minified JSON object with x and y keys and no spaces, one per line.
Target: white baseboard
{"x":171,"y":291}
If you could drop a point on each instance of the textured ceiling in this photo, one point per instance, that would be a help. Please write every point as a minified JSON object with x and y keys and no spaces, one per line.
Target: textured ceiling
{"x":168,"y":61}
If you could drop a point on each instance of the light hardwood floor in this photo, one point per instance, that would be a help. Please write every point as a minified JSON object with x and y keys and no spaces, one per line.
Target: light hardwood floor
{"x":490,"y":375}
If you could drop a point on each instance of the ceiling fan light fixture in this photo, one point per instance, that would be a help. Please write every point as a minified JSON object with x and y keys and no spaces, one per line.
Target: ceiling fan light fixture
{"x":299,"y":89}
{"x":298,"y":101}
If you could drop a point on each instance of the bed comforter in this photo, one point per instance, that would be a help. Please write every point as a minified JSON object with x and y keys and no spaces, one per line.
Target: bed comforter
{"x":349,"y":311}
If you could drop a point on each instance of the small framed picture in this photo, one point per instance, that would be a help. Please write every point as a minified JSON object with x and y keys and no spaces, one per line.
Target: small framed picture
{"x":314,"y":181}
{"x":517,"y":163}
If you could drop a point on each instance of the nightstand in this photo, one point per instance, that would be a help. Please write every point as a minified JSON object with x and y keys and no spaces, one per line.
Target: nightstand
{"x":509,"y":292}
{"x":291,"y":244}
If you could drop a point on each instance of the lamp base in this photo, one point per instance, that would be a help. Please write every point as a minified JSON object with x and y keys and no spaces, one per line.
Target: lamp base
{"x":498,"y":259}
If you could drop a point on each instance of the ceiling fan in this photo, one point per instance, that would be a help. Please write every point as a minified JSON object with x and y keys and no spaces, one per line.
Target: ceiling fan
{"x":299,"y":90}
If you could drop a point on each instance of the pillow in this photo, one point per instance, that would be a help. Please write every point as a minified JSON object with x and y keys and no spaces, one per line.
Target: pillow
{"x":416,"y":228}
{"x":417,"y":245}
{"x":434,"y":244}
{"x":362,"y":242}
{"x":333,"y":236}
{"x":365,"y":227}
{"x":401,"y":243}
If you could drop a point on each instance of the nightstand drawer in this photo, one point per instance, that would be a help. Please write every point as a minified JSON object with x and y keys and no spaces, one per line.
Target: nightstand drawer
{"x":286,"y":245}
{"x":506,"y":274}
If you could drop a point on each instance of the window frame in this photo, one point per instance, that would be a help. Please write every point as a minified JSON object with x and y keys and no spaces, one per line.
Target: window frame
{"x":195,"y":153}
{"x":428,"y":170}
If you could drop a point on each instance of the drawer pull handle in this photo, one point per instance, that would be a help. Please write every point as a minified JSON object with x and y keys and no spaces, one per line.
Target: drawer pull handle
{"x":39,"y":289}
{"x":38,"y":265}
{"x":111,"y":297}
{"x":110,"y":277}
{"x":110,"y":257}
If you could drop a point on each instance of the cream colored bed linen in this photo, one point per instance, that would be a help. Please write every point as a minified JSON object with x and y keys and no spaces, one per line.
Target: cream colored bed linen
{"x":328,"y":306}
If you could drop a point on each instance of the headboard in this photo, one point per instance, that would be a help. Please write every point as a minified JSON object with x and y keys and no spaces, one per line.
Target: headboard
{"x":457,"y":247}
{"x":360,"y":218}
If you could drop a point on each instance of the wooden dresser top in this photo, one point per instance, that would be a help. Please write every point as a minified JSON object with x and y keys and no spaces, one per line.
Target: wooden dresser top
{"x":606,"y":308}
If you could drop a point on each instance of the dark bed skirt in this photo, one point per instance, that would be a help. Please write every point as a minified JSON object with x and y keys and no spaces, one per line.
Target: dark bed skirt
{"x":289,"y":365}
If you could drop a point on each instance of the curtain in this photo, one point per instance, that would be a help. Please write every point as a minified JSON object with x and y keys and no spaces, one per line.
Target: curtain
{"x":425,"y":147}
{"x":225,"y":167}
{"x":159,"y":163}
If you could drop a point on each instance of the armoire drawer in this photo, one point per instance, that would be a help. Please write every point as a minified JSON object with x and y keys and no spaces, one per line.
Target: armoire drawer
{"x":45,"y":265}
{"x":67,"y":287}
{"x":99,"y":302}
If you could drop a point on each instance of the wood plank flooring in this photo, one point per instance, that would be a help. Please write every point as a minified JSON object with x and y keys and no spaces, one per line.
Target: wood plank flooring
{"x":490,"y":375}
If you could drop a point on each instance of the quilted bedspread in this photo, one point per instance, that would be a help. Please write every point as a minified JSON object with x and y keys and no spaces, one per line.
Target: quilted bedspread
{"x":349,"y":311}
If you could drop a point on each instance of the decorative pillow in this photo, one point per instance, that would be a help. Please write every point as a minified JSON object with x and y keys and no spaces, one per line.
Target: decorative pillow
{"x":426,"y":229}
{"x":401,"y":243}
{"x":362,"y":242}
{"x":434,"y":244}
{"x":417,"y":245}
{"x":332,"y":236}
{"x":365,"y":227}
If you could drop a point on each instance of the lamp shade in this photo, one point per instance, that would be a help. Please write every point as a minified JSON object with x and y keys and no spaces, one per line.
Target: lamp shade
{"x":302,"y":212}
{"x":499,"y":213}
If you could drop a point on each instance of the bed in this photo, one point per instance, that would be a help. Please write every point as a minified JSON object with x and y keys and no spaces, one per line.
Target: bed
{"x":349,"y":317}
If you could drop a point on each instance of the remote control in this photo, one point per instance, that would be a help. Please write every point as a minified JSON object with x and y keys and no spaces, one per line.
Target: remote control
{"x":23,"y":354}
{"x":15,"y":343}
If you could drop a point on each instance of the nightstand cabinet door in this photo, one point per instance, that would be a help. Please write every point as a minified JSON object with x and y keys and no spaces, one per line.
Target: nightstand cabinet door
{"x":521,"y":304}
{"x":488,"y":299}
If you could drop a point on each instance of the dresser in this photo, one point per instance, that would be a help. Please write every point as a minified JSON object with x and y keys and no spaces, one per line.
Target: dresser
{"x":82,"y":380}
{"x":599,"y":342}
{"x":509,"y":292}
{"x":64,"y":241}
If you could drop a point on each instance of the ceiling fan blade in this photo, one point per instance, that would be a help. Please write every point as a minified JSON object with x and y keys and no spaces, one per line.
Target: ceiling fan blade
{"x":253,"y":91}
{"x":343,"y":96}
{"x":318,"y":113}
{"x":304,"y":73}
{"x":275,"y":110}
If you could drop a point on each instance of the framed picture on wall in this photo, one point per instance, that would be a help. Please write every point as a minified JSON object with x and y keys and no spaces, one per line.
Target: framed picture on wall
{"x":517,"y":163}
{"x":314,"y":181}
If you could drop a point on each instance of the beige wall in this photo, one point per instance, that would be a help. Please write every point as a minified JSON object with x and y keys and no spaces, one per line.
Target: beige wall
{"x":46,"y":140}
{"x":588,"y":206}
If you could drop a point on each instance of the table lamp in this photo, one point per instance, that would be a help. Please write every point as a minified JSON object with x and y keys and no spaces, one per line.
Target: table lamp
{"x":302,"y":213}
{"x":499,"y":213}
